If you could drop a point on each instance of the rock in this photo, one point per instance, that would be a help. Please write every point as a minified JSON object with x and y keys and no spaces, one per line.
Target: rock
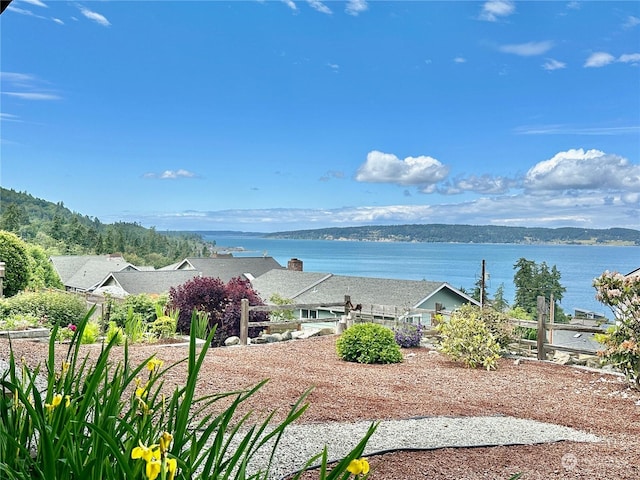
{"x":298,"y":334}
{"x":287,"y":335}
{"x":273,"y":337}
{"x":562,"y":358}
{"x":258,"y":340}
{"x":232,"y":341}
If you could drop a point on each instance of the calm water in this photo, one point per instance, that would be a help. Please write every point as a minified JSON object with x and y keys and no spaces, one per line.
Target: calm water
{"x":458,"y":264}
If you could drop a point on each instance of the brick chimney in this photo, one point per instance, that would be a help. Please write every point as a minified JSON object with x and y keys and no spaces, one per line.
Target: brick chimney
{"x":295,"y":265}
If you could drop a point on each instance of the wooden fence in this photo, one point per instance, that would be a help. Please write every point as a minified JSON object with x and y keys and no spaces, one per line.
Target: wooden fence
{"x":542,"y":325}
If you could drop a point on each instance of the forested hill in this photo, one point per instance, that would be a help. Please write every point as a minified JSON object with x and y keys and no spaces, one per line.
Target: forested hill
{"x":63,"y":232}
{"x":469,"y":234}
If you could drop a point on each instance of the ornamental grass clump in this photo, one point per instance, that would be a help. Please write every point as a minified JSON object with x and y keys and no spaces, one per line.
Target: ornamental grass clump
{"x":368,"y":343}
{"x":98,"y":419}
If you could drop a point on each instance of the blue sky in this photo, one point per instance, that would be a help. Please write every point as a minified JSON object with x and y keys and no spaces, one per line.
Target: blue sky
{"x":282,"y":115}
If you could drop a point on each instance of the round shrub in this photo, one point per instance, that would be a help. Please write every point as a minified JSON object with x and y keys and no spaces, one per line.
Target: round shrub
{"x":56,"y":308}
{"x":368,"y":343}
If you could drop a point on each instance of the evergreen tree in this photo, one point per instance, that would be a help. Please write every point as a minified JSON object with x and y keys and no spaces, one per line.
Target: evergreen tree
{"x":532,"y":280}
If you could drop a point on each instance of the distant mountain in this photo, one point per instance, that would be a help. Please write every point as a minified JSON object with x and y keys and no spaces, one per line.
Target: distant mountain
{"x":468,"y":234}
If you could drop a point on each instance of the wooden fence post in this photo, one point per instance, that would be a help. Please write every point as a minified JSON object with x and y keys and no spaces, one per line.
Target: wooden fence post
{"x":542,"y":334}
{"x":244,"y":321}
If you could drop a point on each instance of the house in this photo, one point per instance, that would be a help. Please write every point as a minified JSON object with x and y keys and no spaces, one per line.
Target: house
{"x":82,"y":273}
{"x":123,"y":283}
{"x":226,"y":267}
{"x":377,"y":298}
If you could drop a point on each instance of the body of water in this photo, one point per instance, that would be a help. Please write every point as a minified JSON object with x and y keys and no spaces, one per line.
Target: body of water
{"x":457,"y":264}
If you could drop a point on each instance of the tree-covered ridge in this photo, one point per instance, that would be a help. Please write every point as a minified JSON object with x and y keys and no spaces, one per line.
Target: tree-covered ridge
{"x":63,"y":232}
{"x":468,"y":234}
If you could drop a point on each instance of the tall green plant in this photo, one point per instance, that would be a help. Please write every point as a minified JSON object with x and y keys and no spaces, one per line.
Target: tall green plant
{"x":100,"y":420}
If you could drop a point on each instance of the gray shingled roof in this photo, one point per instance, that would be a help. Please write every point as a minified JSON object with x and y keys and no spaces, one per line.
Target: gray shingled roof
{"x":314,"y":287}
{"x":286,"y":283}
{"x":226,"y":268}
{"x":134,"y":282}
{"x":84,"y":272}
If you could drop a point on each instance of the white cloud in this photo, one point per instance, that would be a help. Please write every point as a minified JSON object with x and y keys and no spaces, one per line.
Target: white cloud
{"x":552,"y":64}
{"x":33,"y":95}
{"x":459,"y":60}
{"x":527,"y":49}
{"x":171,"y":174}
{"x":37,"y":3}
{"x":57,"y":20}
{"x":8,"y":117}
{"x":569,"y":130}
{"x":631,"y":22}
{"x":423,"y":172}
{"x":599,"y":59}
{"x":333,"y":66}
{"x":577,"y":169}
{"x":290,"y":4}
{"x":483,"y":184}
{"x":573,"y":5}
{"x":632,"y":58}
{"x":94,"y":16}
{"x":356,"y":7}
{"x":493,"y":9}
{"x":22,"y":11}
{"x":319,"y":6}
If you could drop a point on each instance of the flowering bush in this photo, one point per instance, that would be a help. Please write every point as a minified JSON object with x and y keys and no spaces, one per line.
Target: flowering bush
{"x":97,"y":419}
{"x":408,"y":335}
{"x":467,"y":338}
{"x":622,"y":351}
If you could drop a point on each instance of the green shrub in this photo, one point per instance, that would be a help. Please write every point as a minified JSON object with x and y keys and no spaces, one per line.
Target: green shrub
{"x":498,"y":323}
{"x":55,"y":307}
{"x":142,"y":304}
{"x":91,"y":333}
{"x":19,"y":321}
{"x":467,"y":338}
{"x":115,"y":334}
{"x":164,"y":327}
{"x":368,"y":343}
{"x":134,"y":326}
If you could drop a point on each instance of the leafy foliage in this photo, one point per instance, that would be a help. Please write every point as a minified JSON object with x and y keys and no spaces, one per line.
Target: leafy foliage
{"x":532,"y":280}
{"x":408,"y":335}
{"x":53,"y":307}
{"x":368,"y":343}
{"x":622,"y":341}
{"x":13,"y":252}
{"x":62,"y":232}
{"x":466,"y":338}
{"x":96,"y":419}
{"x":221,"y":302}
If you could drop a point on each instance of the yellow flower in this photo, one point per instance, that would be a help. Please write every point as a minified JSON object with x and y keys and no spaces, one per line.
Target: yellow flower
{"x":67,"y":401}
{"x":145,"y":453}
{"x":153,"y":469}
{"x":165,"y":441}
{"x":358,"y":466}
{"x":141,"y":390}
{"x":65,"y":367}
{"x":172,"y":466}
{"x":57,"y":400}
{"x":154,"y":364}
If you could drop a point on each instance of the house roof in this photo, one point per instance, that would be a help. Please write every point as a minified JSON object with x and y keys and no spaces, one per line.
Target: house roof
{"x":84,"y":272}
{"x":634,"y":273}
{"x":134,"y":282}
{"x":226,"y":268}
{"x":314,"y":287}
